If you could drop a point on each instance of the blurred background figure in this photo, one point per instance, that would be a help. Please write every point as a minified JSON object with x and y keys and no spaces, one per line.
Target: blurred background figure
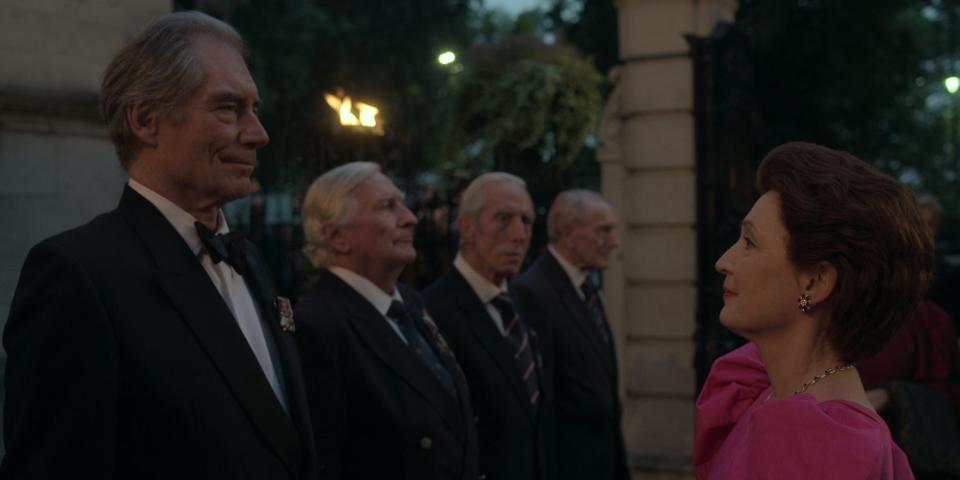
{"x":433,"y":239}
{"x":945,"y":286}
{"x":914,"y":381}
{"x":932,"y":212}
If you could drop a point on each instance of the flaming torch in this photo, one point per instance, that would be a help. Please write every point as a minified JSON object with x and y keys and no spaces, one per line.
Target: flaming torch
{"x":359,"y":115}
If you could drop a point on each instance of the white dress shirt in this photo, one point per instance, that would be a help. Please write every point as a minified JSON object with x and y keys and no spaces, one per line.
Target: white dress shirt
{"x":378,"y":298}
{"x":229,"y":283}
{"x":484,"y":289}
{"x":576,"y":275}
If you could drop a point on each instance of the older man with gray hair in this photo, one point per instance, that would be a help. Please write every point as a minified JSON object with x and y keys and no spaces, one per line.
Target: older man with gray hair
{"x":397,"y":395}
{"x":150,"y":343}
{"x":559,"y":296}
{"x":494,"y":343}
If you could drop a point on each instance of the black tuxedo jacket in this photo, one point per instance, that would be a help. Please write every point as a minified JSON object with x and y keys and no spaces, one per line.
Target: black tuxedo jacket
{"x":510,"y":432}
{"x":589,"y":440}
{"x":380,"y":413}
{"x":125,"y":362}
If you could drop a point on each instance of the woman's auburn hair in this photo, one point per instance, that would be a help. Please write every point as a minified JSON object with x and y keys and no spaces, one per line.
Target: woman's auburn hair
{"x":838,"y":209}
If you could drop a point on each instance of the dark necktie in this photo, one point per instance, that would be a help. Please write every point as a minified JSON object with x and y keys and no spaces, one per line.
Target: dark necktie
{"x":518,"y":336}
{"x":229,"y":247}
{"x":592,"y":298}
{"x":419,"y":345}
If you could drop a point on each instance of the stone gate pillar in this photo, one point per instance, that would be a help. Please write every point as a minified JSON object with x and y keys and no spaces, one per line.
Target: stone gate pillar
{"x":648,"y":171}
{"x":57,"y":165}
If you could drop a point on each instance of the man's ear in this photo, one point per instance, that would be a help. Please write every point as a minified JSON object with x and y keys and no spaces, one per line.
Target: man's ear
{"x":467,"y":228}
{"x":143,"y":121}
{"x":820,"y":282}
{"x":334,"y":238}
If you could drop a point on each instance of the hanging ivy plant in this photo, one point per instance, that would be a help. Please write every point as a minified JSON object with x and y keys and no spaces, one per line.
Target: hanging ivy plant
{"x":523,"y":101}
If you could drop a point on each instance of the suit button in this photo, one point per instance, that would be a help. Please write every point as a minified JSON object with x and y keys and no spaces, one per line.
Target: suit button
{"x":482,"y":477}
{"x":476,"y":419}
{"x":426,"y":443}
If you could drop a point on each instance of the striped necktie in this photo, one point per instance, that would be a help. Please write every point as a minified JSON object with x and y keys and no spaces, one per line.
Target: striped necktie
{"x":592,"y":298}
{"x":518,"y":336}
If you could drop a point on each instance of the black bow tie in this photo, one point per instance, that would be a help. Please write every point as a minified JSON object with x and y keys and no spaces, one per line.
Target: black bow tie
{"x":229,"y":247}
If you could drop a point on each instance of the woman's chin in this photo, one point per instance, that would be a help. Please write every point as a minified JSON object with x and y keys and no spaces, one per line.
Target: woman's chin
{"x":732,"y":323}
{"x":725,"y":319}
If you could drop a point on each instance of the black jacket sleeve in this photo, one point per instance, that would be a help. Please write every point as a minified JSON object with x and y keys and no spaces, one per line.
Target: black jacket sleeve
{"x":61,"y":375}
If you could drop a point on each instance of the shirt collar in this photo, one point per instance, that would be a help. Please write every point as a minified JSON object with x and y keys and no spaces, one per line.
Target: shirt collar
{"x":484,"y":289}
{"x":182,"y":221}
{"x":378,"y":298}
{"x":576,"y":275}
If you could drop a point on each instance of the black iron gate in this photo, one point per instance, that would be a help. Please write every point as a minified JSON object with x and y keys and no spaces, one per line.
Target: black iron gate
{"x":725,"y":122}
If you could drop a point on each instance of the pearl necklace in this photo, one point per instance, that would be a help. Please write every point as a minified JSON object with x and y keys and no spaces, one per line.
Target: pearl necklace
{"x":826,"y":373}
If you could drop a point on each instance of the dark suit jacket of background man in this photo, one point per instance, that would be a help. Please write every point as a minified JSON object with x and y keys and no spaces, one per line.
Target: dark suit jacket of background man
{"x":396,"y":420}
{"x":125,"y":362}
{"x":589,"y":440}
{"x":510,"y":432}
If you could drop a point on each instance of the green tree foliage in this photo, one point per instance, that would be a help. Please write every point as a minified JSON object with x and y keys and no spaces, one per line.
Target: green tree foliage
{"x":590,"y":26}
{"x":523,"y":101}
{"x":526,"y":107}
{"x":859,"y":75}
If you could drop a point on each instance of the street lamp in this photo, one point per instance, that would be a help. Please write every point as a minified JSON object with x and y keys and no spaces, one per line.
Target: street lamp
{"x":952,"y":84}
{"x":448,"y":57}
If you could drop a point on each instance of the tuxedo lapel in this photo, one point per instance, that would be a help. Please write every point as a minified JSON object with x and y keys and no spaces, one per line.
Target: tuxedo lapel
{"x":189,"y":289}
{"x":265,"y":295}
{"x":560,"y":281}
{"x":372,"y":330}
{"x":481,"y":326}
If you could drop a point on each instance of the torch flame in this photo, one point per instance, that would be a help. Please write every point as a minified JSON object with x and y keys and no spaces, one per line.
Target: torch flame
{"x":368,"y":114}
{"x":344,"y":108}
{"x":365,"y":116}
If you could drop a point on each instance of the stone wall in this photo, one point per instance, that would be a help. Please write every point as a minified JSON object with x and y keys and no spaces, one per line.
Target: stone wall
{"x":64,"y":45}
{"x":57,"y":167}
{"x":647,"y":156}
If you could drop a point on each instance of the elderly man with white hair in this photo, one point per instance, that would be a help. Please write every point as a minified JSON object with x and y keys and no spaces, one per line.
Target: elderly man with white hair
{"x":387,"y":398}
{"x":561,"y":300}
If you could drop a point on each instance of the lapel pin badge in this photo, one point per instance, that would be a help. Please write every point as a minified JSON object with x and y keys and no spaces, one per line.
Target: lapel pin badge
{"x":285,"y":311}
{"x":435,"y":333}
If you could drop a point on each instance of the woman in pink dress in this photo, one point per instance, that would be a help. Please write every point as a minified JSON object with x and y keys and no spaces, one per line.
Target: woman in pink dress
{"x":831,"y":260}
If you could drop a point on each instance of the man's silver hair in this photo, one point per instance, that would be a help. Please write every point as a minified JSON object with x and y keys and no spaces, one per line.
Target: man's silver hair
{"x":329,"y":203}
{"x":471,"y":202}
{"x":158,"y":68}
{"x":569,"y":210}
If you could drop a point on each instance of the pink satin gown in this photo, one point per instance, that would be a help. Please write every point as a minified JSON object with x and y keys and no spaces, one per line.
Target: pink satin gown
{"x":742,"y":435}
